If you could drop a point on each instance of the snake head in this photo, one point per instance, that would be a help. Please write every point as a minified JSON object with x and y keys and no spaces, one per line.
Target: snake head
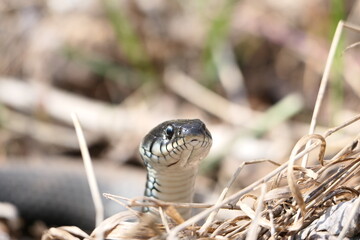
{"x":176,"y":143}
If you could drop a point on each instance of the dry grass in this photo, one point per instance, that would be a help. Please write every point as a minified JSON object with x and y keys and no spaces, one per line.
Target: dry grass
{"x":295,"y":196}
{"x":291,"y":198}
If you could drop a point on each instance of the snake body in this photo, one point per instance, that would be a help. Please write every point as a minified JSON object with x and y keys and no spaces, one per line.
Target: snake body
{"x":172,"y":152}
{"x":57,"y":192}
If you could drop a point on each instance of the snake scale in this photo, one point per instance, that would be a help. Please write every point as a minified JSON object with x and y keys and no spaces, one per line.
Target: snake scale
{"x":59,"y":194}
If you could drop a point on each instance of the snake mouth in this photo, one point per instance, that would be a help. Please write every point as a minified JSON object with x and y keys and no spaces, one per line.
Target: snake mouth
{"x":190,"y":153}
{"x":172,"y":164}
{"x":182,"y":153}
{"x":182,"y":143}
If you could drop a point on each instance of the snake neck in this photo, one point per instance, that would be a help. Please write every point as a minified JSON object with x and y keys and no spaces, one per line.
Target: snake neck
{"x":175,"y":185}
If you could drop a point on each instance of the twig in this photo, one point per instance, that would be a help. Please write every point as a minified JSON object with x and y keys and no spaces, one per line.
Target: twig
{"x":111,"y":197}
{"x":151,"y":202}
{"x":323,"y":84}
{"x":351,"y":46}
{"x":352,"y":26}
{"x":343,"y":125}
{"x":99,"y":208}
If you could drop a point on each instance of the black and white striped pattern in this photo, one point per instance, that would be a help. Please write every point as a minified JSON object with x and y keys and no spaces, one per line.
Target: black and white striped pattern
{"x":172,"y":152}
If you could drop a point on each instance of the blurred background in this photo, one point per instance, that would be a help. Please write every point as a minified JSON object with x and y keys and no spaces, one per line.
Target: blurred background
{"x":249,"y":69}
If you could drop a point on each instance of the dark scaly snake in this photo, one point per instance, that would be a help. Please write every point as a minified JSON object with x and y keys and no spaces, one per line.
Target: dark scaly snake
{"x":57,"y":191}
{"x":172,"y":152}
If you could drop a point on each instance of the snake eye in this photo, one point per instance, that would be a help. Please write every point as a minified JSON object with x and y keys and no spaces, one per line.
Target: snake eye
{"x":169,"y":131}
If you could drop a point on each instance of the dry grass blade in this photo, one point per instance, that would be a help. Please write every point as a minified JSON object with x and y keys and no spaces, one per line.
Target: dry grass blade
{"x":62,"y":233}
{"x":110,"y":223}
{"x":99,"y":208}
{"x":126,"y":225}
{"x":345,"y":124}
{"x":354,"y":45}
{"x":324,"y":82}
{"x":163,"y":220}
{"x":308,"y":172}
{"x":347,"y":151}
{"x":290,"y":174}
{"x":237,"y":230}
{"x":253,"y":229}
{"x":75,"y":231}
{"x":252,"y":215}
{"x":174,"y":214}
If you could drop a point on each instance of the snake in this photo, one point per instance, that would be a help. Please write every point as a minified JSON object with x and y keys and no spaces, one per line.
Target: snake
{"x":172,"y":152}
{"x":57,"y":192}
